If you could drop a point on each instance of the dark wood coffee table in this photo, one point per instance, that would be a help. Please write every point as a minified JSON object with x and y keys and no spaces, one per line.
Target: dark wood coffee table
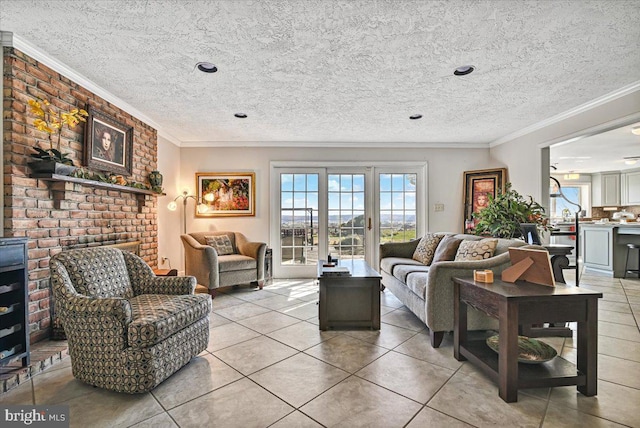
{"x":525,"y":303}
{"x":350,"y":301}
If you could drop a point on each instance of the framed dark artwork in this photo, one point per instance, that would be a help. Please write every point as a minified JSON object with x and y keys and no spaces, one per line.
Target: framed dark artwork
{"x":478,"y":186}
{"x":226,"y":194}
{"x":108,"y":144}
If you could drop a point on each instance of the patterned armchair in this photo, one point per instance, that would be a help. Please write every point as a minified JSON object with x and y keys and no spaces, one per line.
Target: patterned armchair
{"x":241,"y":263}
{"x":128,"y":330}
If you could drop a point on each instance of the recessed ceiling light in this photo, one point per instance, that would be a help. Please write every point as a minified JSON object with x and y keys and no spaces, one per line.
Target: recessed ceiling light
{"x":415,"y":116}
{"x":206,"y":67}
{"x":240,"y":115}
{"x":635,"y":130}
{"x":631,"y":160}
{"x":464,"y":70}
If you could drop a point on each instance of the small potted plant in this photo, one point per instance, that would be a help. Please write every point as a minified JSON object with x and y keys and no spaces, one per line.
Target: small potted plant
{"x":51,"y":121}
{"x":504,"y":214}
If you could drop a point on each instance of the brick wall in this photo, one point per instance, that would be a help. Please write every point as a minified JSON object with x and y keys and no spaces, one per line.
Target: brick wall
{"x":87,"y":216}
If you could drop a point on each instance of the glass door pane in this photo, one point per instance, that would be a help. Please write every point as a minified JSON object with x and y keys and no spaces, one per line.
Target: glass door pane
{"x":398,"y":213}
{"x":346,"y":215}
{"x":299,"y":219}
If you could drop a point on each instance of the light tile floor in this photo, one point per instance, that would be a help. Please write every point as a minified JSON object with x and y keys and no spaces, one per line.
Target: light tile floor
{"x":267,"y":364}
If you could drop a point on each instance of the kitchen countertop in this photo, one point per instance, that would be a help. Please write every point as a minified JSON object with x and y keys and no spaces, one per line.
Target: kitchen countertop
{"x":613,"y":224}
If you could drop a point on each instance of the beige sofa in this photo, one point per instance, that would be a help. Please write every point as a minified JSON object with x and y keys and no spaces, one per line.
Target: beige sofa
{"x":244,"y":266}
{"x":428,"y":290}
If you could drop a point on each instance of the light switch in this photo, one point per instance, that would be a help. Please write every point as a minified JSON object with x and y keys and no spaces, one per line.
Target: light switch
{"x":439,"y":207}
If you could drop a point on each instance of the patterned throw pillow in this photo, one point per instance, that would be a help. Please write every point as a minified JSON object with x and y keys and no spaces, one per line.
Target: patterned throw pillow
{"x":221,"y":243}
{"x":476,"y":250}
{"x":447,"y":249}
{"x":426,"y":248}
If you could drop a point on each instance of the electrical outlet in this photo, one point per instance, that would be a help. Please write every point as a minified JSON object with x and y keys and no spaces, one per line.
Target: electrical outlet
{"x":164,"y":259}
{"x":439,"y":207}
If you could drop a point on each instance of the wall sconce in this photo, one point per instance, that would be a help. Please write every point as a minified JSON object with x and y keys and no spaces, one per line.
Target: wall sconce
{"x":172,"y":206}
{"x":571,"y":176}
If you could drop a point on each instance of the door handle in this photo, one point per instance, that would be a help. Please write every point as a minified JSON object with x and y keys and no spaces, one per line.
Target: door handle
{"x":370,"y":223}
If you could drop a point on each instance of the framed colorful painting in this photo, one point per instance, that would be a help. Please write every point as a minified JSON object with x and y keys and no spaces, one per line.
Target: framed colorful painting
{"x":226,"y":194}
{"x":478,"y":186}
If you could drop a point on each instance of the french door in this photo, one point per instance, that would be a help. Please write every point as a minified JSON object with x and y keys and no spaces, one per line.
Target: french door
{"x":341,"y":211}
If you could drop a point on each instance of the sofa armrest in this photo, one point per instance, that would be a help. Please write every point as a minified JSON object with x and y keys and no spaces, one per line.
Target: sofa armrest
{"x":167,"y":285}
{"x":252,"y":249}
{"x":255,"y":250}
{"x":439,"y":293}
{"x":201,"y":261}
{"x":398,"y":249}
{"x":115,"y":308}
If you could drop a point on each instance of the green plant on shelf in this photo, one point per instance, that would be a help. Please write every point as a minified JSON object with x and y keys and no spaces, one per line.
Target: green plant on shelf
{"x":505,"y":213}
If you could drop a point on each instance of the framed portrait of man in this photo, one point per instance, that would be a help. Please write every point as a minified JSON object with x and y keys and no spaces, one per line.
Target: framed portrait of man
{"x":479,"y":185}
{"x":108,"y":144}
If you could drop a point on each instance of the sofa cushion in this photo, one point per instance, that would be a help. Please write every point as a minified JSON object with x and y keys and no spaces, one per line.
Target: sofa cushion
{"x":476,"y":250}
{"x":426,"y":248}
{"x":402,"y":271}
{"x":221,"y":243}
{"x":447,"y":249}
{"x":417,"y":283}
{"x":157,"y":316}
{"x":233,"y":262}
{"x":387,"y":264}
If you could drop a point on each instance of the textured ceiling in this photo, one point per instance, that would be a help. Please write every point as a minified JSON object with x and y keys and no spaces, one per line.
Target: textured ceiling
{"x":338,"y":71}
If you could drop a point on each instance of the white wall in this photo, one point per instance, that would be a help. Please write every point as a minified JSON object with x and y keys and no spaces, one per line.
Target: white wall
{"x":445,"y":180}
{"x":522,"y":155}
{"x":169,"y":222}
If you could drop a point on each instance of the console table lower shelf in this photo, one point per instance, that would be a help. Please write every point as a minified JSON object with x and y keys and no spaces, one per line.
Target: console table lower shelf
{"x":521,"y":304}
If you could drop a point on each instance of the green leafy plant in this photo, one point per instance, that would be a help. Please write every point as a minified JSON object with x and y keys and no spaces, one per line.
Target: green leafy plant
{"x":504,"y":214}
{"x":51,"y":155}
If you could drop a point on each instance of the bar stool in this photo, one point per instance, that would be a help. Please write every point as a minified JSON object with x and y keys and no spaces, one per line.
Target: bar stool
{"x":626,"y":265}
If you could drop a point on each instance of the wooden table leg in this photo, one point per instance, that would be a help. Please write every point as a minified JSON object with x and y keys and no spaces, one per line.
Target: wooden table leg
{"x":459,"y":323}
{"x":587,"y":362}
{"x":508,"y":355}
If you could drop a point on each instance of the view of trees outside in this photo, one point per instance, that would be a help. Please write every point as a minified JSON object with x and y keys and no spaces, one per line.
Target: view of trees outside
{"x":299,"y":195}
{"x":397,"y":207}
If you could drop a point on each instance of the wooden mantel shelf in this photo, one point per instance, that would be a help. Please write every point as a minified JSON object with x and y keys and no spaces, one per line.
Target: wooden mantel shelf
{"x":59,"y":188}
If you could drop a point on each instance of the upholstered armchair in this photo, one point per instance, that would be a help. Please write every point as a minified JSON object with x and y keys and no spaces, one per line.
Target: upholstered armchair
{"x":215,"y":264}
{"x":127,"y":329}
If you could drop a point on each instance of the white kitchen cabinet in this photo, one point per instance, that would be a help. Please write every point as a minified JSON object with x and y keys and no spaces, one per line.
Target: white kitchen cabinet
{"x":597,"y":242}
{"x":630,"y":188}
{"x":605,"y":190}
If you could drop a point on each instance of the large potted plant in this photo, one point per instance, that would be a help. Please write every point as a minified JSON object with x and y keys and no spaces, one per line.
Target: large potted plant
{"x":504,"y":214}
{"x":51,"y":121}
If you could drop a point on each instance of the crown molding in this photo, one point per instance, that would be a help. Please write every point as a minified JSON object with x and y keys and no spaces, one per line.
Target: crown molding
{"x":624,"y":91}
{"x":335,"y":144}
{"x":11,"y":40}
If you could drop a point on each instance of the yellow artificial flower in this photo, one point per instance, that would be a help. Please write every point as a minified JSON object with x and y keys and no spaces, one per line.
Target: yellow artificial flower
{"x":52,"y":121}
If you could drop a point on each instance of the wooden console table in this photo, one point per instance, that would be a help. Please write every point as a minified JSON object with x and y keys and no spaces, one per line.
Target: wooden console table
{"x":526,"y":303}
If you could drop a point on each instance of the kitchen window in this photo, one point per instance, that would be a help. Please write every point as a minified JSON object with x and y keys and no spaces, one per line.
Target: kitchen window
{"x":578,"y":193}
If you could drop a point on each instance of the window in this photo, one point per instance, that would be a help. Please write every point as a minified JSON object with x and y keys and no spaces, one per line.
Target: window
{"x":397,"y":207}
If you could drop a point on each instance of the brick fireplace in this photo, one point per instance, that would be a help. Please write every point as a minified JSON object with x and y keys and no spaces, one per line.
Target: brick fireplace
{"x":56,"y":216}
